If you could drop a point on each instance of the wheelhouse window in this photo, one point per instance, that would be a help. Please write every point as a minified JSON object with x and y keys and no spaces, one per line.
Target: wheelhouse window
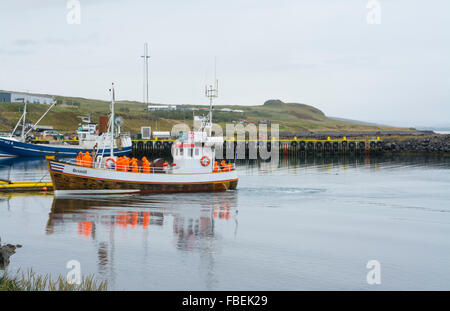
{"x":196,"y":151}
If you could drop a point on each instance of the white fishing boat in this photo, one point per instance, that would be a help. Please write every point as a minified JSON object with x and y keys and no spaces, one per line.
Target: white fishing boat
{"x":88,"y":140}
{"x":194,"y":168}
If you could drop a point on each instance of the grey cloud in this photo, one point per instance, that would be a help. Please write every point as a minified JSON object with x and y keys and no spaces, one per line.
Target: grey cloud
{"x":25,"y":42}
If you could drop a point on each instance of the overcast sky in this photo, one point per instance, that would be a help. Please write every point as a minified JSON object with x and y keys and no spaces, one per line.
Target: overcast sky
{"x":318,"y":52}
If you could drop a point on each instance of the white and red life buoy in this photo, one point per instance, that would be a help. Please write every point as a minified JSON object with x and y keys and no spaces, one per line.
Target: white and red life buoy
{"x":205,"y":161}
{"x":107,"y":162}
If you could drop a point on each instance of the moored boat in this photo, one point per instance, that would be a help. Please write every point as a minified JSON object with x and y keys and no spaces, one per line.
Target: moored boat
{"x":88,"y":140}
{"x":194,"y":169}
{"x":12,"y":147}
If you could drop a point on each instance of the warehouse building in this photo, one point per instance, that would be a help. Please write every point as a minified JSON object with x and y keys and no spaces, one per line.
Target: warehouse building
{"x":160,"y":107}
{"x":15,"y":97}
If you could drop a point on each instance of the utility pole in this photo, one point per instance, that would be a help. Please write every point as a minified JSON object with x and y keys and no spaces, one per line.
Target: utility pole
{"x":145,"y":57}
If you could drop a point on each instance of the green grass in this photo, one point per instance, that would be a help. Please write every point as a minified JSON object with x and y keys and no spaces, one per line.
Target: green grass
{"x":31,"y":281}
{"x":291,"y":117}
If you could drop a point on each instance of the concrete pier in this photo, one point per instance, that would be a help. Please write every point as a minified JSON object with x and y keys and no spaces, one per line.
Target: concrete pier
{"x":285,"y":146}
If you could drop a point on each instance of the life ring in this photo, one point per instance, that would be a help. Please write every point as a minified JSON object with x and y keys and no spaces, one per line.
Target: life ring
{"x":205,"y":161}
{"x":107,"y":160}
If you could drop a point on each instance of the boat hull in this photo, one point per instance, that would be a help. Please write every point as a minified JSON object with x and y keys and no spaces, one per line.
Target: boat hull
{"x":71,"y":179}
{"x":16,"y":148}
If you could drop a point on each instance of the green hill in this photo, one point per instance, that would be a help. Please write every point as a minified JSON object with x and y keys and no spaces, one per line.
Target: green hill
{"x":292,"y":117}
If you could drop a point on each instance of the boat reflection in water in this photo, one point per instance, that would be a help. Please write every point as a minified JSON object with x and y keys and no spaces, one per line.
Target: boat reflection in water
{"x":146,"y":227}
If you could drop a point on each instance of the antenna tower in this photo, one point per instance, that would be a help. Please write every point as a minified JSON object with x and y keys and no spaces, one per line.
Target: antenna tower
{"x":145,"y":57}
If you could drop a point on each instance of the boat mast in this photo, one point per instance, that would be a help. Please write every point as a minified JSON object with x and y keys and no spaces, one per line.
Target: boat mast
{"x":212,"y":92}
{"x":23,"y":123}
{"x":42,"y":117}
{"x":112,"y":120}
{"x":22,"y":117}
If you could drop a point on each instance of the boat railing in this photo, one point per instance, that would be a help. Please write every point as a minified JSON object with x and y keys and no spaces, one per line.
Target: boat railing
{"x":136,"y":168}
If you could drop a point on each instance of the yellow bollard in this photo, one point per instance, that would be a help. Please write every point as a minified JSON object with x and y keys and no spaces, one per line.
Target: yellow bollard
{"x":328,"y":138}
{"x":344,"y":138}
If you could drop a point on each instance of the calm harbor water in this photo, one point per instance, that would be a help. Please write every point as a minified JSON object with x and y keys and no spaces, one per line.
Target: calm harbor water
{"x":303,"y":224}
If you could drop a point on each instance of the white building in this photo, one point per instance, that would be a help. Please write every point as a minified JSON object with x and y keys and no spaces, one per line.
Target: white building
{"x":15,"y":97}
{"x":230,"y":110}
{"x":160,"y":107}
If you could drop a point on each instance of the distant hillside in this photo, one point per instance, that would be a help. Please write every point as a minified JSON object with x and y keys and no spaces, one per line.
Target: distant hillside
{"x":292,"y":117}
{"x":357,"y":121}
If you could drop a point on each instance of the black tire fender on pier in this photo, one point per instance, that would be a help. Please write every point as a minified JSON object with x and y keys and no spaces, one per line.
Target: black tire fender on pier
{"x":335,"y":145}
{"x":361,"y":145}
{"x":302,"y":145}
{"x":319,"y":145}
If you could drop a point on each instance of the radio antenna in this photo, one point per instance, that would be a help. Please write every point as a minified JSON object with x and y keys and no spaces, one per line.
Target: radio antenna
{"x":145,"y":57}
{"x":212,"y":92}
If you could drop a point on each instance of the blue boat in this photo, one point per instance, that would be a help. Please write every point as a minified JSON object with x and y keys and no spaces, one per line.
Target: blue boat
{"x":89,"y":139}
{"x":11,"y":147}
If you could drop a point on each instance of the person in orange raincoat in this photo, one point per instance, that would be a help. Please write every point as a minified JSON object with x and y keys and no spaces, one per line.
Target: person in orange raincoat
{"x":134,"y":166}
{"x":126,"y":163}
{"x":228,"y":167}
{"x":145,"y":165}
{"x":165,"y":166}
{"x":87,"y":160}
{"x":80,"y":158}
{"x":119,"y":164}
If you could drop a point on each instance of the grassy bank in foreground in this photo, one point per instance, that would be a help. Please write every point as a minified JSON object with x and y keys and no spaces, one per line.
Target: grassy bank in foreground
{"x":30,"y":281}
{"x":291,"y":117}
